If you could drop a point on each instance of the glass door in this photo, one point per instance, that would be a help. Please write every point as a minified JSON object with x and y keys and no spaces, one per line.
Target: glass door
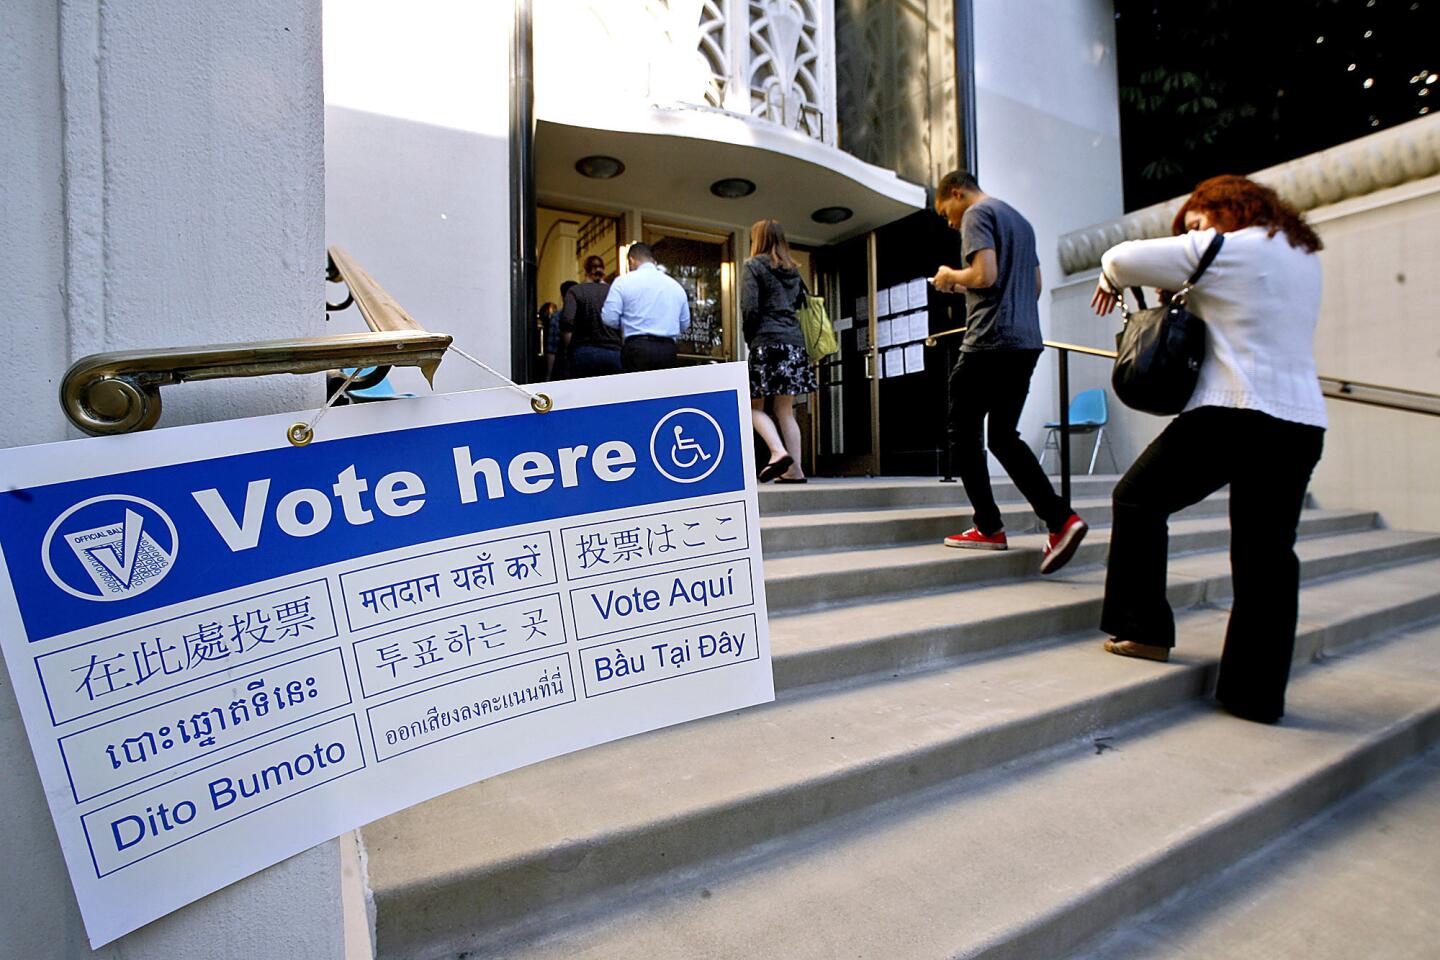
{"x":846,"y":424}
{"x":911,"y":376}
{"x":703,"y":263}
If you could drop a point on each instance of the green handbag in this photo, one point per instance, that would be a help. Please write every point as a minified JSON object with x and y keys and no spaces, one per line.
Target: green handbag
{"x":814,"y":320}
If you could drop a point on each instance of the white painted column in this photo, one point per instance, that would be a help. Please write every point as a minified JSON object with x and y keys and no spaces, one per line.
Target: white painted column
{"x":161,"y":184}
{"x":417,"y":179}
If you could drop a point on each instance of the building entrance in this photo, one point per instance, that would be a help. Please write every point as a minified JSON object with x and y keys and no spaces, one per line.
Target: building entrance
{"x":567,"y":239}
{"x":882,"y":409}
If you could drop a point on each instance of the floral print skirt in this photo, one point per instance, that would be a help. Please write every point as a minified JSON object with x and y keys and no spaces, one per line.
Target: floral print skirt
{"x":777,"y":369}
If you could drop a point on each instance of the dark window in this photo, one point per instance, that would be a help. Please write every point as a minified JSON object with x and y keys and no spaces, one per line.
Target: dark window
{"x":1234,"y":86}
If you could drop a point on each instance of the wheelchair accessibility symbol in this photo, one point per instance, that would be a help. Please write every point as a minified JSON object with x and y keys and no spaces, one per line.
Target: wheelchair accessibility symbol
{"x":687,"y":445}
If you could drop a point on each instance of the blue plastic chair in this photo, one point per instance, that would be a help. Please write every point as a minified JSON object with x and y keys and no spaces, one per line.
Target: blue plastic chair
{"x":1089,"y":413}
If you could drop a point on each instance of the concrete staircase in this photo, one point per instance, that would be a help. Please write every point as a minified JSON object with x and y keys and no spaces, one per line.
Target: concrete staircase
{"x":953,"y":767}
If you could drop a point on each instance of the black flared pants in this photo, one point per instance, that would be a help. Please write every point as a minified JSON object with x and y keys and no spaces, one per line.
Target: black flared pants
{"x":1267,"y":462}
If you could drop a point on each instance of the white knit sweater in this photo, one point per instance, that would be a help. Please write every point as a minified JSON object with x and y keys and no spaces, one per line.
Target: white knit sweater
{"x":1260,"y":301}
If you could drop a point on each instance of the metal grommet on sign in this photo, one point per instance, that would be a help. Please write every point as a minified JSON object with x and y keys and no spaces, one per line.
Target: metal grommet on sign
{"x":299,"y":434}
{"x":542,"y":403}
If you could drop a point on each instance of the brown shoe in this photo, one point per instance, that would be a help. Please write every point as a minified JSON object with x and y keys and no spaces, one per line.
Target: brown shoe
{"x":1141,"y":651}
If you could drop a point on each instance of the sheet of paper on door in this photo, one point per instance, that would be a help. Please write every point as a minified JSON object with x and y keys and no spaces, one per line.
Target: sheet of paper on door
{"x":884,"y":333}
{"x":919,"y":325}
{"x":915,"y":358}
{"x":226,"y":649}
{"x":895,"y":362}
{"x":899,"y":298}
{"x":919,"y":293}
{"x":882,"y":303}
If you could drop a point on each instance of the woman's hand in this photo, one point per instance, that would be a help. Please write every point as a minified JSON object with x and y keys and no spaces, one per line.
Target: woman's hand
{"x":1104,"y":299}
{"x":945,"y":280}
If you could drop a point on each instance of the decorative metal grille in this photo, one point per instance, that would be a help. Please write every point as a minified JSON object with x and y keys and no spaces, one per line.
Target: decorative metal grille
{"x":699,"y":26}
{"x":785,"y":64}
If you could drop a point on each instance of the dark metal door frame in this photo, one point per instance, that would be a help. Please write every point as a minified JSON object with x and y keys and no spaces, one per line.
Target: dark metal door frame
{"x":523,"y":264}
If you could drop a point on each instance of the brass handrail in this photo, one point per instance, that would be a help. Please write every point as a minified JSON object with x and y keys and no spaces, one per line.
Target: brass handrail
{"x":1077,"y":348}
{"x":110,"y":393}
{"x":930,"y":340}
{"x":379,"y":309}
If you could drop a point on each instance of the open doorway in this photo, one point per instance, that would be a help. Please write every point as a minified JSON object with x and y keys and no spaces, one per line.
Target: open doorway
{"x":567,"y":238}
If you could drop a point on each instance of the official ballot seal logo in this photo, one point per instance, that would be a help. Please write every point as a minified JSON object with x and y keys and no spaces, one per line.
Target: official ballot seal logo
{"x":110,"y":548}
{"x":687,"y":445}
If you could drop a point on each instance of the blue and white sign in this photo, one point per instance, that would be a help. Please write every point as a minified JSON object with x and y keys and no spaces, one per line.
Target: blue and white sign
{"x":227,"y":649}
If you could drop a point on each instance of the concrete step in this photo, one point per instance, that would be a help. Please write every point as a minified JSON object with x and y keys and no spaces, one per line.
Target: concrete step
{"x":852,"y":576}
{"x":790,"y":533}
{"x":1358,"y":881}
{"x":838,"y":644}
{"x":1032,"y":860}
{"x":442,"y":872}
{"x":885,"y":492}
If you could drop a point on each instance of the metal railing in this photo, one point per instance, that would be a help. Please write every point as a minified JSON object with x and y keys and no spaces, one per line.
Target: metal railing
{"x":1375,"y":395}
{"x":108,"y":393}
{"x":1338,"y":388}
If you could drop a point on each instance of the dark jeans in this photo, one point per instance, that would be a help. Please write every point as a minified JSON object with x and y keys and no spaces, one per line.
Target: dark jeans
{"x":996,"y":383}
{"x":644,"y":352}
{"x":593,"y":360}
{"x":1267,"y":462}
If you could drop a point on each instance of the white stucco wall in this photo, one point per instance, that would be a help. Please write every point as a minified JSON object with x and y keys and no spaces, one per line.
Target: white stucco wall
{"x":160,"y":184}
{"x":1048,"y":135}
{"x":1378,"y":325}
{"x":417,"y":179}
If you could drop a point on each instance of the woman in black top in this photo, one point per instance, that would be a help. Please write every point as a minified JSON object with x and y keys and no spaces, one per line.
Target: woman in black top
{"x":770,"y":290}
{"x":592,"y":348}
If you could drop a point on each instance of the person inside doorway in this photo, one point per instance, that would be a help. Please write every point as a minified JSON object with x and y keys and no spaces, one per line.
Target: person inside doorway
{"x":592,"y":348}
{"x":770,"y":289}
{"x":1001,"y":282}
{"x":649,"y":309}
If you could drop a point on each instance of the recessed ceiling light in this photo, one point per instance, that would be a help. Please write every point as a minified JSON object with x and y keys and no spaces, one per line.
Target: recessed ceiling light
{"x":598,"y":167}
{"x":832,"y":214}
{"x":732,"y":188}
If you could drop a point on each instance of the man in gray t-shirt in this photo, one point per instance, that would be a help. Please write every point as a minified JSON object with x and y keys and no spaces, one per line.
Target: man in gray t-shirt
{"x":1001,"y":283}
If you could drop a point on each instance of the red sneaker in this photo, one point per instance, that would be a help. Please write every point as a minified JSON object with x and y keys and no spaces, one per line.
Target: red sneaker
{"x":973,"y":539}
{"x":1062,"y":545}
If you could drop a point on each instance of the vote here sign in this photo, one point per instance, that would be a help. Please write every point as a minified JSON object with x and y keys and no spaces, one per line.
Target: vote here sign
{"x":227,"y":649}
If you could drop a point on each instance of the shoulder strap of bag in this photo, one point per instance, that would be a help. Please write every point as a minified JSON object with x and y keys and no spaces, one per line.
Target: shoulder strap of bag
{"x":1206,"y":258}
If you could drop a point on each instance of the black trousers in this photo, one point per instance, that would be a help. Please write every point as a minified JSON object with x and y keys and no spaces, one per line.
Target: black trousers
{"x":1267,"y":462}
{"x":995,"y":383}
{"x":644,"y":352}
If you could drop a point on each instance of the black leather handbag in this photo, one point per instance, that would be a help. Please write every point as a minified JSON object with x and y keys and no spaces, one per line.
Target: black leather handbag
{"x":1160,"y":348}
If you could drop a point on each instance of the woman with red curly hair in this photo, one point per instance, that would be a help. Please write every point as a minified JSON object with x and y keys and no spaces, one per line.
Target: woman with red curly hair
{"x":1256,"y":422}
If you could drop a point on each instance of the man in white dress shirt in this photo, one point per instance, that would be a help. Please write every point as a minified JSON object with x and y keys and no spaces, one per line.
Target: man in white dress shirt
{"x":651,"y":310}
